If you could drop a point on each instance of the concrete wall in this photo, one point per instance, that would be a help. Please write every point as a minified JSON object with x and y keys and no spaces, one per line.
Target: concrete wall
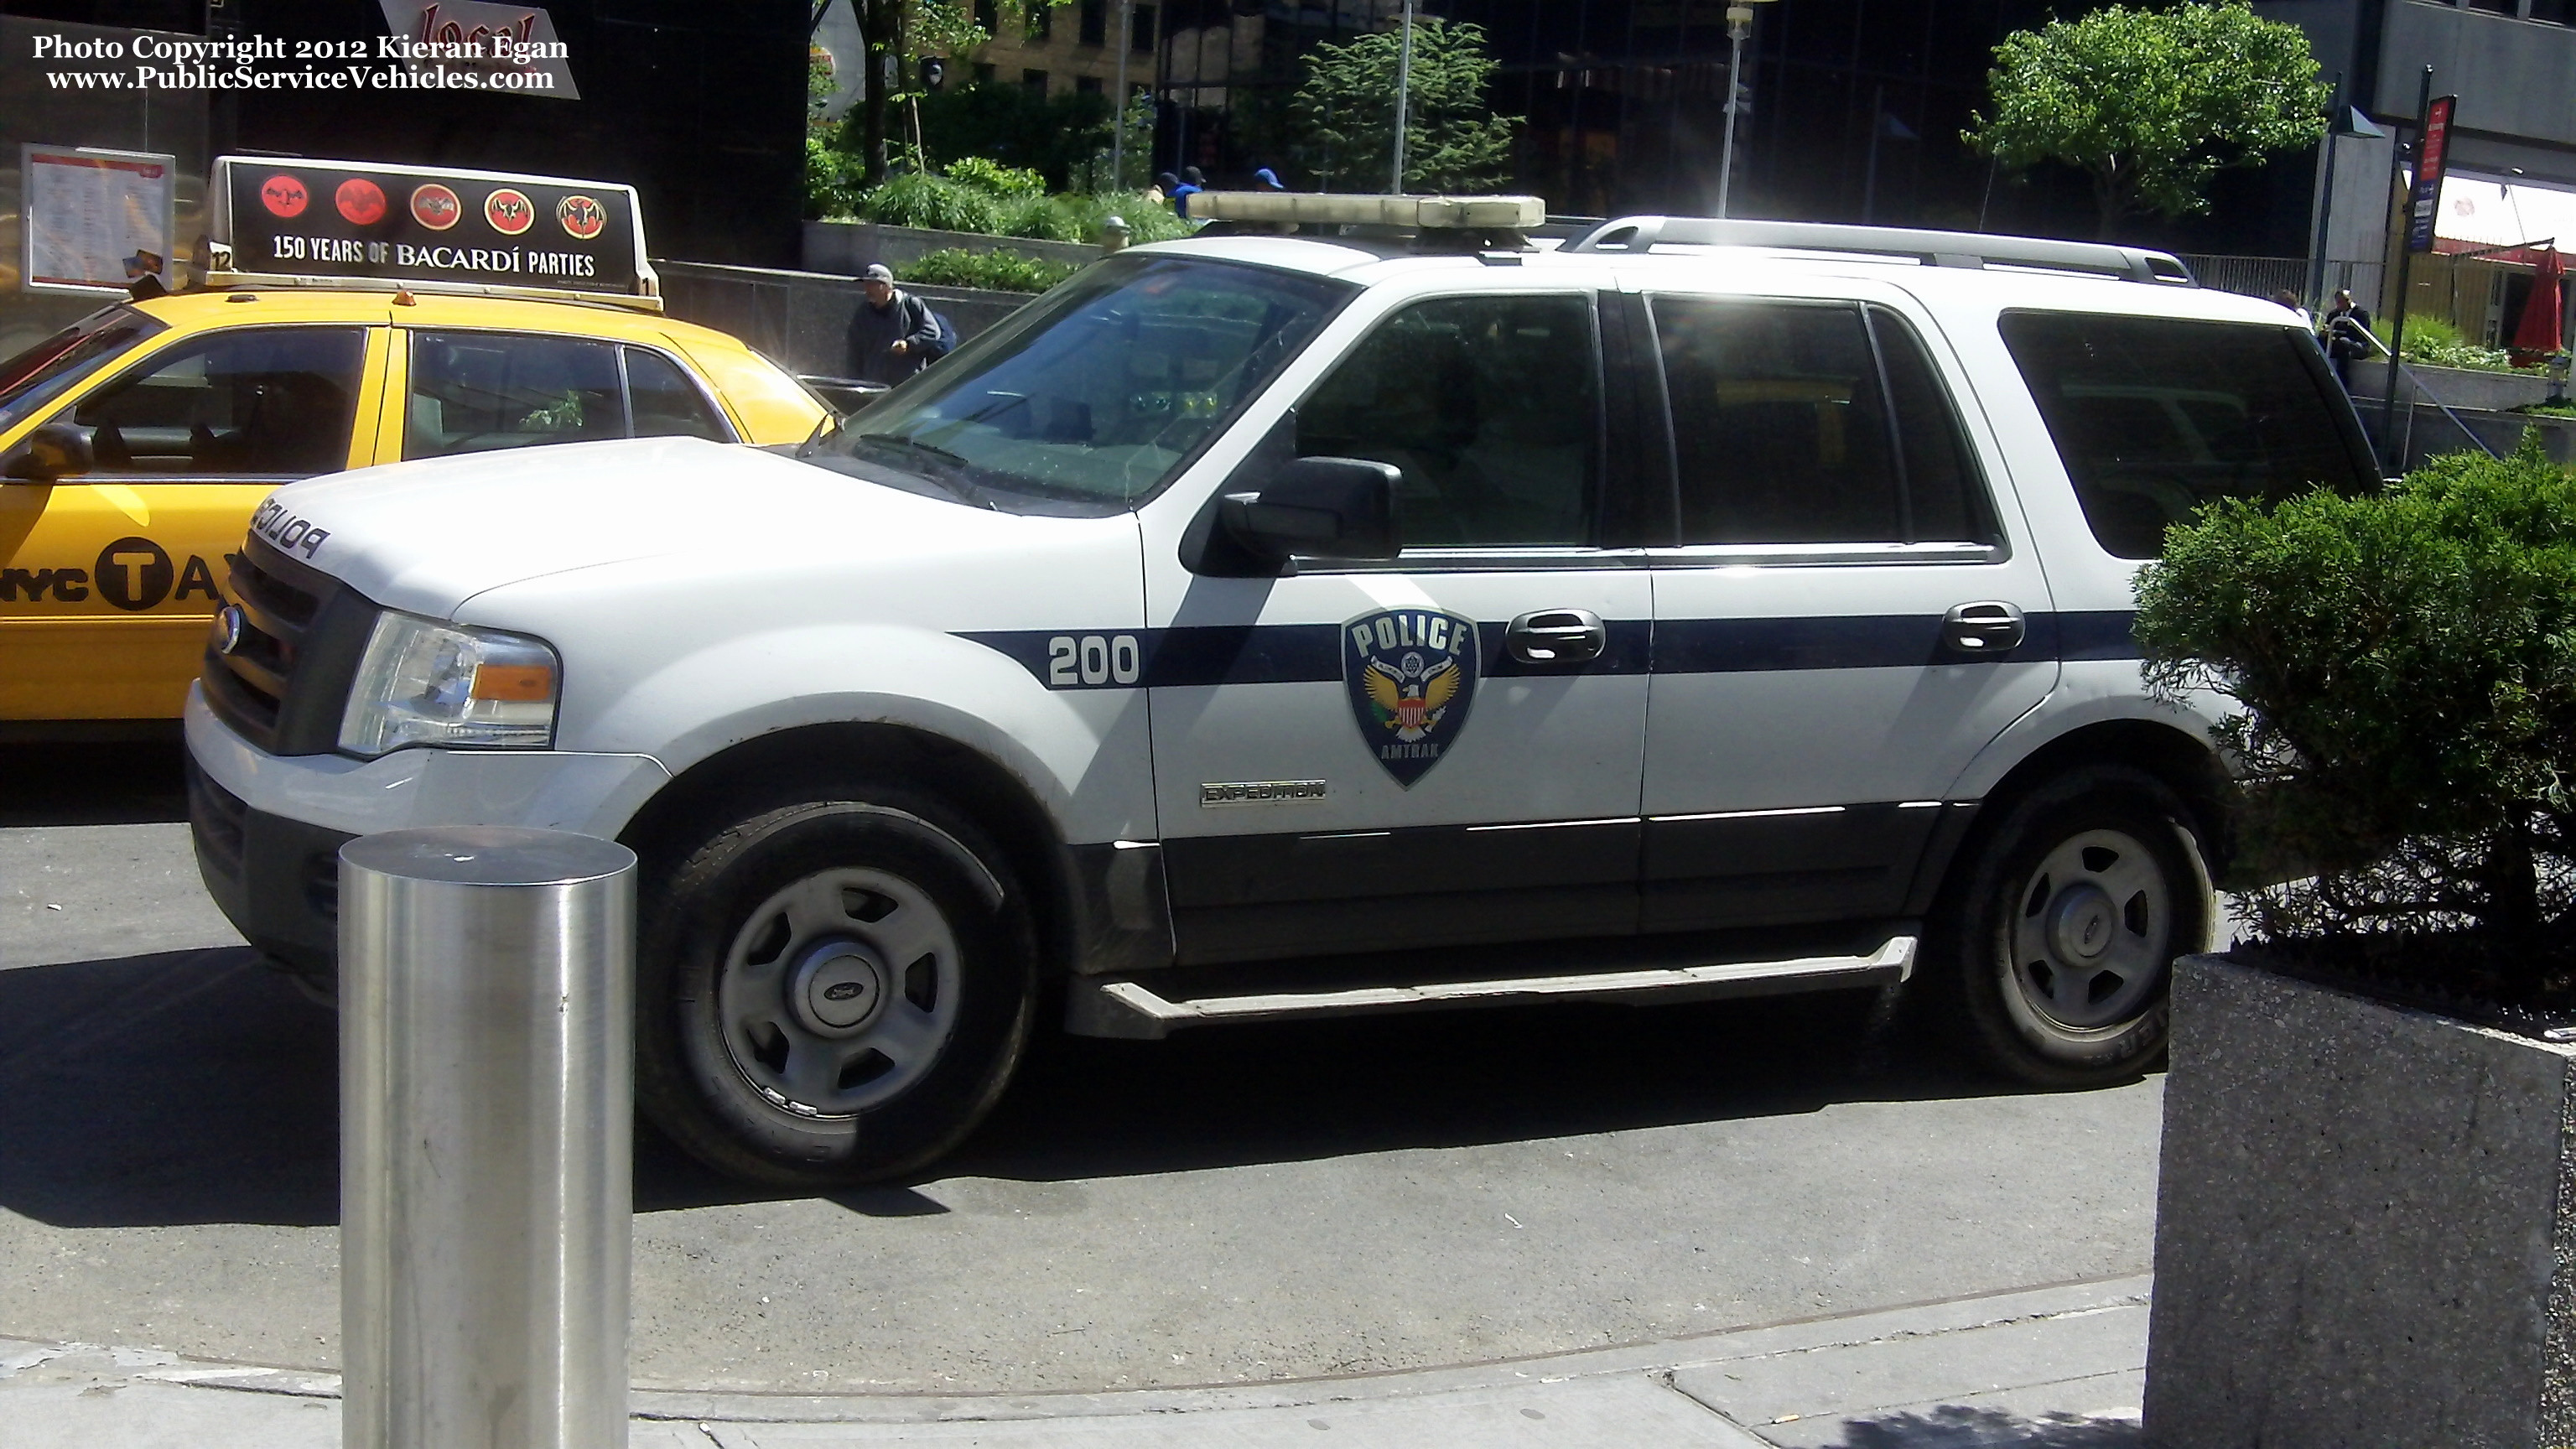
{"x":844,"y":248}
{"x":2513,"y":76}
{"x":800,"y":320}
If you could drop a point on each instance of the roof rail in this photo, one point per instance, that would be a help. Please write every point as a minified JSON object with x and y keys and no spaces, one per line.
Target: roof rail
{"x":1931,"y":248}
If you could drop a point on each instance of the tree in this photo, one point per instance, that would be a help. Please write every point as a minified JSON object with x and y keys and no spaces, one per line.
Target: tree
{"x":898,"y":33}
{"x":2152,"y":103}
{"x":1345,"y":112}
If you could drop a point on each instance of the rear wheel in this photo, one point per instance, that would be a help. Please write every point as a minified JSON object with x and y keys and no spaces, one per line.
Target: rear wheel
{"x":832,"y":992}
{"x":2063,"y":932}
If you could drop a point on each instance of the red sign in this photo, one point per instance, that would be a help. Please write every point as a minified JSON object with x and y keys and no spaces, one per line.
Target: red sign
{"x":283,"y":195}
{"x":509,"y":211}
{"x":360,"y":200}
{"x":435,"y":207}
{"x":2432,"y":159}
{"x":581,"y":217}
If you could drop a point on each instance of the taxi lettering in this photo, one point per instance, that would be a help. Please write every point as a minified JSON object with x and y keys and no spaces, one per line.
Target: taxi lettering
{"x":66,"y":585}
{"x":284,"y":529}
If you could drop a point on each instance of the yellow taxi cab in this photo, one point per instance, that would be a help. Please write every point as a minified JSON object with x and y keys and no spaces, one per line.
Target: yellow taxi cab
{"x":137,"y":445}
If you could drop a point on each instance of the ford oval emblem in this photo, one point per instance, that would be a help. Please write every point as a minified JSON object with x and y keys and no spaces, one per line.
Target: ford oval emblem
{"x":229,"y":625}
{"x":842,"y":990}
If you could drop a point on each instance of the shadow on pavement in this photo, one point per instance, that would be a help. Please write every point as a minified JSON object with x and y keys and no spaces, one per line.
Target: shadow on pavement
{"x":125,"y":783}
{"x":199,"y":1086}
{"x":1952,"y":1426}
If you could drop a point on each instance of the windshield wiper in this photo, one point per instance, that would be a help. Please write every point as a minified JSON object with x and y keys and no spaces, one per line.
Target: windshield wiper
{"x":952,"y":470}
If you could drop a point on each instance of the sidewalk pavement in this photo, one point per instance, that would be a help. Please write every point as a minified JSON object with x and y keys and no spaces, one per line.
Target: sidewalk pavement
{"x":2059,"y":1367}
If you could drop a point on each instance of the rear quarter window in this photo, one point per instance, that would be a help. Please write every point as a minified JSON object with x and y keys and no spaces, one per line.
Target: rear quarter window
{"x":2156,"y":416}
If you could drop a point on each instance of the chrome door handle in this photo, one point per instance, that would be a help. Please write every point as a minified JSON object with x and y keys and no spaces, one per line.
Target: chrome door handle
{"x":1987,"y":629}
{"x":1557,"y":636}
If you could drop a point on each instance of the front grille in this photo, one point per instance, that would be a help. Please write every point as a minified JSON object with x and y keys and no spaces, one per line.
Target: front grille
{"x":282,"y":685}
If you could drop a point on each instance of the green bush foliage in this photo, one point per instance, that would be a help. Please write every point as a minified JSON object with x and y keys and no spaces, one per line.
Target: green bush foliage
{"x":931,"y":201}
{"x":2406,"y":661}
{"x":2434,"y":342}
{"x":1014,"y":126}
{"x":1453,"y":141}
{"x":994,"y":271}
{"x":990,"y":175}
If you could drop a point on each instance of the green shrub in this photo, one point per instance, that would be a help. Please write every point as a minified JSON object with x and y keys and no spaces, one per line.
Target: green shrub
{"x":2406,"y":661}
{"x":934,"y":202}
{"x":993,"y":176}
{"x":831,"y":180}
{"x":1015,"y":126}
{"x":995,"y":271}
{"x":2435,"y":342}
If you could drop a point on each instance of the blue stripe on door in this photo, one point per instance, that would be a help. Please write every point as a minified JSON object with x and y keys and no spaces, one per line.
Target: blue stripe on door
{"x":1311,"y":653}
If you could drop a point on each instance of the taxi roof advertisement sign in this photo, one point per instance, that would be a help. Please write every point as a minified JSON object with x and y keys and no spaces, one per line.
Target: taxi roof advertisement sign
{"x":421,"y":224}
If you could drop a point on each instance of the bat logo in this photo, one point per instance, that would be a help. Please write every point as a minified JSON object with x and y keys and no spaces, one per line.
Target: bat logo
{"x":360,"y":200}
{"x":510,"y":212}
{"x":284,"y":195}
{"x":435,"y":207}
{"x":581,"y":217}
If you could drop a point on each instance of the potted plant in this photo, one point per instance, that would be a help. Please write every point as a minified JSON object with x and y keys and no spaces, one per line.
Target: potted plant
{"x":2366,"y":1223}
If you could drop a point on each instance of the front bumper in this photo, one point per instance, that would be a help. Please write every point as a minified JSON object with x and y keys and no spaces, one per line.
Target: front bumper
{"x":268,"y":828}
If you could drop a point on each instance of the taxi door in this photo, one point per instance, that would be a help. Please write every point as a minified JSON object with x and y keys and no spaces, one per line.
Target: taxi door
{"x":105,"y":599}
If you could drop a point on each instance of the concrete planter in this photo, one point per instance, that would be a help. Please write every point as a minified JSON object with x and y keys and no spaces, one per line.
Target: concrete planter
{"x":845,"y":248}
{"x":2365,"y":1228}
{"x":2456,"y":387}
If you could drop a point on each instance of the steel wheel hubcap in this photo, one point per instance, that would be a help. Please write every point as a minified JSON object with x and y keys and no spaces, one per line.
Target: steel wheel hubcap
{"x":2092,"y":931}
{"x":839,"y":992}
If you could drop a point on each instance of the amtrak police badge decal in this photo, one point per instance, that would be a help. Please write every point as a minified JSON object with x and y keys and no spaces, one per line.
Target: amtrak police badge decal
{"x":1411,"y":674}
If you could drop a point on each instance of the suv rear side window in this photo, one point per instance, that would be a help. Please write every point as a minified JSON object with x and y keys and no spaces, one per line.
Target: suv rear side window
{"x":2155,"y":417}
{"x":1814,"y":423}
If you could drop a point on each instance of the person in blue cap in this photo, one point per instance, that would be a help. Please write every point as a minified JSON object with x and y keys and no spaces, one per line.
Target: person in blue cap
{"x":1192,"y":183}
{"x":1268,"y":179}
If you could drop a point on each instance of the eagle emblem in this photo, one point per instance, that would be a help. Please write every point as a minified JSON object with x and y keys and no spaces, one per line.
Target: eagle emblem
{"x":1411,"y":674}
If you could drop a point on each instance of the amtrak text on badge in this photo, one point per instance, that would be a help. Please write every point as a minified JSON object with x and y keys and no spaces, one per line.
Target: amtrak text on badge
{"x":1411,"y":676}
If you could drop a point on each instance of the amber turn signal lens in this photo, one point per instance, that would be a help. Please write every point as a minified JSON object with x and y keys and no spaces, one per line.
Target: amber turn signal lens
{"x":514,"y":683}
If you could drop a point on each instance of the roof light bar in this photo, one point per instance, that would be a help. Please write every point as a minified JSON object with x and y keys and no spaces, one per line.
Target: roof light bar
{"x":1408,"y":213}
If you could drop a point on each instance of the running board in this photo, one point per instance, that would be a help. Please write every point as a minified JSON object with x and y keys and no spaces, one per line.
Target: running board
{"x":1133,"y":1010}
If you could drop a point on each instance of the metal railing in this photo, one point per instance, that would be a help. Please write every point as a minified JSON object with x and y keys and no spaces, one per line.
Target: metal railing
{"x":2250,"y":276}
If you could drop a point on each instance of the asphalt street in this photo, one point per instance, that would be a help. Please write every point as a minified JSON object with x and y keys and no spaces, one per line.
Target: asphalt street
{"x":1234,"y":1205}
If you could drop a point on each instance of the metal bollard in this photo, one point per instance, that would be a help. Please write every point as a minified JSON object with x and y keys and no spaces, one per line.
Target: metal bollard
{"x":486,"y":1138}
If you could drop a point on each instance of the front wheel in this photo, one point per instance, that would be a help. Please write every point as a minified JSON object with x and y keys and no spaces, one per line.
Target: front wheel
{"x":2063,"y":933}
{"x":832,"y":992}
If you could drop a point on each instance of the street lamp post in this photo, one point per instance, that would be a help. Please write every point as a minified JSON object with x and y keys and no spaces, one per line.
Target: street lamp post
{"x":1118,"y":127}
{"x":1739,"y":28}
{"x":1403,"y":98}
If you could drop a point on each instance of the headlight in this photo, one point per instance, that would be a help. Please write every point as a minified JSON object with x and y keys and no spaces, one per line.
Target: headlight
{"x":427,"y":683}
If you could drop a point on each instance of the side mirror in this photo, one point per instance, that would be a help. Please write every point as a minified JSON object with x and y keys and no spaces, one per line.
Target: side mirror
{"x":56,"y":450}
{"x":1320,"y":508}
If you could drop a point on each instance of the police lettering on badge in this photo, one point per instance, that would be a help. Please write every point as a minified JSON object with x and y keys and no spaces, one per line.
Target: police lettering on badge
{"x":1411,"y":675}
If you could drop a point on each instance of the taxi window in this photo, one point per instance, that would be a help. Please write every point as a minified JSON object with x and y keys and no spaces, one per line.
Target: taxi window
{"x":473,"y":392}
{"x":666,"y":403}
{"x":265,"y":401}
{"x":1488,"y":406}
{"x":38,"y":375}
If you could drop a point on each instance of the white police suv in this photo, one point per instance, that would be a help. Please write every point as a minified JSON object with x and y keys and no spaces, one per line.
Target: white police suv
{"x":1355,"y":607}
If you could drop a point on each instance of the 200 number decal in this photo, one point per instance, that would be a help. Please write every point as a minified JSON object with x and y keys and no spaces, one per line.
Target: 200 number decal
{"x":1093,"y":659}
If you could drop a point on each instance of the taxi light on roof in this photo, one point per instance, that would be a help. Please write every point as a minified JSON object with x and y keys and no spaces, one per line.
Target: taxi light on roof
{"x":1410,"y":213}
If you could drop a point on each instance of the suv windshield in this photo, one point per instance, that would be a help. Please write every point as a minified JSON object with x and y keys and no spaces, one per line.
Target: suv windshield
{"x":1093,"y":396}
{"x":34,"y":377}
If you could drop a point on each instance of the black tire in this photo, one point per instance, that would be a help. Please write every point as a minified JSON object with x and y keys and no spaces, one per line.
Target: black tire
{"x":2057,"y":938}
{"x":781,"y":1034}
